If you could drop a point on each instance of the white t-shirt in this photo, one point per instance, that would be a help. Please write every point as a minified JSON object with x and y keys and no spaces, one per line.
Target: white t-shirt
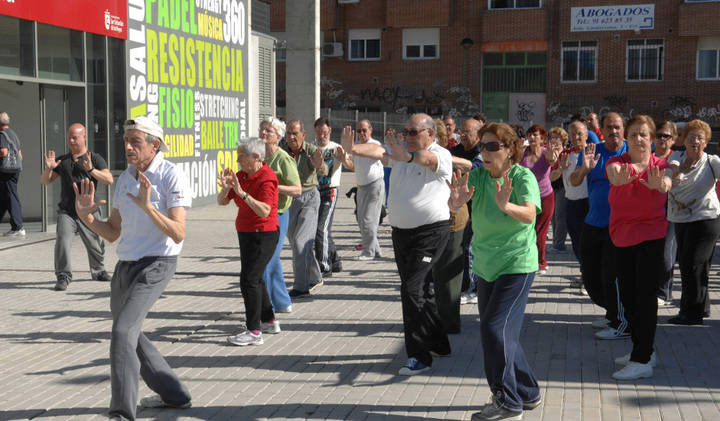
{"x":574,"y":192}
{"x":334,"y":166}
{"x":419,"y":195}
{"x":692,"y":197}
{"x":139,"y":236}
{"x":368,"y":170}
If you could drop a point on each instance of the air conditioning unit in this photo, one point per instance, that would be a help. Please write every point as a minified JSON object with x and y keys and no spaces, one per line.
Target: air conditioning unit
{"x":332,"y":49}
{"x":348,"y":1}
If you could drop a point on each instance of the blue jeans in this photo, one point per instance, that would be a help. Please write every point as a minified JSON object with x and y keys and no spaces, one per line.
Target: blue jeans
{"x":273,"y":275}
{"x":501,"y":304}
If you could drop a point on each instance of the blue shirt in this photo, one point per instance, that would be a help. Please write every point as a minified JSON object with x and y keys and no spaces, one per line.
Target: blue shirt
{"x":599,"y":187}
{"x":592,"y":137}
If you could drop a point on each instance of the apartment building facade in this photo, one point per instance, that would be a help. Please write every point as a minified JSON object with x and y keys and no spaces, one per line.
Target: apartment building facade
{"x":522,"y":61}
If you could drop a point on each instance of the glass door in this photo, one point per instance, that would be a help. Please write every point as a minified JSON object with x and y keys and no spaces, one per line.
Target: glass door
{"x":53,"y":106}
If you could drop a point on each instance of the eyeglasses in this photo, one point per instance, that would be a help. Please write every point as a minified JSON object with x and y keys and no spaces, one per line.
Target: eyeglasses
{"x":362,"y":130}
{"x":699,"y":138}
{"x":413,"y":132}
{"x":491,"y":146}
{"x":663,"y":136}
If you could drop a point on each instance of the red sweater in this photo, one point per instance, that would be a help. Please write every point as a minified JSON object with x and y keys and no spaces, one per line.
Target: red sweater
{"x":261,"y":186}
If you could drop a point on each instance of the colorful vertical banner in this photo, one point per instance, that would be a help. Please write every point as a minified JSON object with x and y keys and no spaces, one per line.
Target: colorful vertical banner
{"x":187,"y":69}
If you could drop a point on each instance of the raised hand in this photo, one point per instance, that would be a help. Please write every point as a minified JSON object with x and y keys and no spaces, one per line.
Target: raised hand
{"x":502,"y":194}
{"x":142,"y":200}
{"x":459,"y":192}
{"x":622,"y":174}
{"x":317,"y":158}
{"x":590,"y":160}
{"x":552,"y":154}
{"x":50,"y":162}
{"x":396,"y":145}
{"x":340,"y":154}
{"x":85,"y":203}
{"x":655,"y":180}
{"x":564,"y":163}
{"x":87,"y":163}
{"x":347,"y":138}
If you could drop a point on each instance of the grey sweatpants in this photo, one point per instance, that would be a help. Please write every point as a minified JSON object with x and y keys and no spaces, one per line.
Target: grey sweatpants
{"x":134,"y":289}
{"x":67,"y":227}
{"x":301,"y":235}
{"x":369,"y":203}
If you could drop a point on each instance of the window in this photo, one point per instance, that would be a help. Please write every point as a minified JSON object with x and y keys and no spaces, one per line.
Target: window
{"x":708,"y":58}
{"x":16,"y":46}
{"x":579,"y":61}
{"x":60,"y":53}
{"x":421,"y":43}
{"x":644,"y":59}
{"x":514,"y":71}
{"x":514,"y":4}
{"x":364,"y":44}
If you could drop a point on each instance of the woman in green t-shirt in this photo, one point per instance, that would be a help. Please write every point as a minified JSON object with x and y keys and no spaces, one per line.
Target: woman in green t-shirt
{"x":505,"y":201}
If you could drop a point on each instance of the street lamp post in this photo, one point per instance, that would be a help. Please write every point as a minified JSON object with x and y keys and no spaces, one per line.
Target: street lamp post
{"x":466,"y":43}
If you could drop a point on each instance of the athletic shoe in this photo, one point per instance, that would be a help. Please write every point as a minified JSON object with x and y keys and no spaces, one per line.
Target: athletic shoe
{"x":583,"y":291}
{"x":558,"y":251}
{"x":295,"y":293}
{"x":62,"y":283}
{"x":625,"y":359}
{"x":316,"y":285}
{"x":157,"y":402}
{"x":337,"y":266}
{"x":270,"y":327}
{"x":359,"y":247}
{"x":364,"y":258}
{"x":634,"y":370}
{"x":541,"y":272}
{"x":439,"y":355}
{"x":682,"y":319}
{"x":246,"y":338}
{"x":102,"y":277}
{"x":576,"y":283}
{"x":287,"y":309}
{"x":611,"y":333}
{"x":468,"y":298}
{"x":529,"y":406}
{"x":16,"y":233}
{"x":600,"y":323}
{"x":413,"y":367}
{"x":494,"y":412}
{"x":663,"y":302}
{"x":326,"y":274}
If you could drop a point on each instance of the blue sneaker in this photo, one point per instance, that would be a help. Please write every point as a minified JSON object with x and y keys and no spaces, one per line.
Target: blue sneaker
{"x":413,"y":367}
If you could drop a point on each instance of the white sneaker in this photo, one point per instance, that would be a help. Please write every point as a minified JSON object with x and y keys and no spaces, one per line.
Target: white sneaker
{"x":270,"y":327}
{"x":600,"y":323}
{"x":541,"y":272}
{"x":583,"y":291}
{"x":634,"y":370}
{"x":663,"y":302}
{"x":364,"y":258}
{"x":625,"y":359}
{"x":246,"y":338}
{"x":470,"y":298}
{"x":18,"y":233}
{"x":611,"y":333}
{"x":287,"y":309}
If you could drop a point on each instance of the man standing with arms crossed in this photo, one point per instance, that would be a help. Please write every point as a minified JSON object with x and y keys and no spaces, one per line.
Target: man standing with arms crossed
{"x":71,"y":168}
{"x":419,"y":216}
{"x":148,"y":217}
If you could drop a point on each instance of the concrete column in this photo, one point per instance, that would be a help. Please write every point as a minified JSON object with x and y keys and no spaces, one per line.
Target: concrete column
{"x":302,"y":91}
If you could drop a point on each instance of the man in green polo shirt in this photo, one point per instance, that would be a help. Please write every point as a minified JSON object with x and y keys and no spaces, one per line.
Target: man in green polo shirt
{"x":304,"y":210}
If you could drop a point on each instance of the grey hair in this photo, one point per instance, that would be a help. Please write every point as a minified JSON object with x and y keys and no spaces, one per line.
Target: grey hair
{"x":4,"y":119}
{"x":253,"y":146}
{"x":150,"y":138}
{"x":276,"y":124}
{"x":365,"y":120}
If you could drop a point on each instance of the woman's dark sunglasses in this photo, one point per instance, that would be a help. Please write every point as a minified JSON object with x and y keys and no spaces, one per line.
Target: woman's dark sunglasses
{"x":490,"y":146}
{"x":663,"y":136}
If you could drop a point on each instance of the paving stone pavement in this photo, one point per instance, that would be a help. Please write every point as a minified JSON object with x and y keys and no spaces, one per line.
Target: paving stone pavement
{"x":339,"y":350}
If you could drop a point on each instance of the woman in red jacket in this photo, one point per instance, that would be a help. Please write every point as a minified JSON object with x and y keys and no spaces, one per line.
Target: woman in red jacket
{"x":254,"y":189}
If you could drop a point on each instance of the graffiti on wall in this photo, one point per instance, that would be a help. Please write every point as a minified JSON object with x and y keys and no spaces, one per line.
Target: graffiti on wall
{"x":676,"y":108}
{"x":526,"y":109}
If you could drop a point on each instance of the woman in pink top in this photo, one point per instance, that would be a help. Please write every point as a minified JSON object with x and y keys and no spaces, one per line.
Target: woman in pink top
{"x":540,"y":160}
{"x":638,"y":192}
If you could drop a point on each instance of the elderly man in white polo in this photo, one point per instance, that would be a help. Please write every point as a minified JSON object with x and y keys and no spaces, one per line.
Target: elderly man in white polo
{"x":148,"y":218}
